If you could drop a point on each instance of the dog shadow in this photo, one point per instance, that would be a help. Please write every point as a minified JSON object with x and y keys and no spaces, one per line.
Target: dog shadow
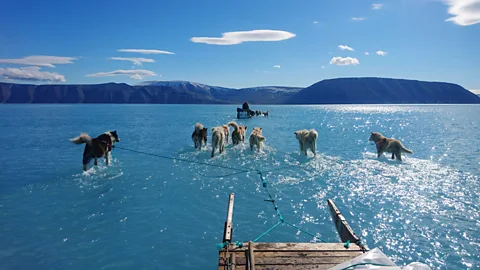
{"x":384,"y":158}
{"x":302,"y":158}
{"x":101,"y":171}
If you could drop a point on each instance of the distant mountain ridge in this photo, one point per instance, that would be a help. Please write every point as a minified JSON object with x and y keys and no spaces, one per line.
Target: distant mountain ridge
{"x":332,"y":91}
{"x":383,"y":91}
{"x":259,"y":95}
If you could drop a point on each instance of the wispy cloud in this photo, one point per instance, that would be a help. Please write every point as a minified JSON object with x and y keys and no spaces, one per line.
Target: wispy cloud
{"x":345,"y":47}
{"x":340,"y":61}
{"x":377,"y":6}
{"x":323,"y":66}
{"x":134,"y":60}
{"x":136,"y":74}
{"x":382,"y":53}
{"x":466,"y":12}
{"x":276,"y":66}
{"x":233,"y":38}
{"x":30,"y":74}
{"x":145,"y":51}
{"x":358,"y":19}
{"x":39,"y":60}
{"x":367,"y":53}
{"x":315,"y":22}
{"x":261,"y":71}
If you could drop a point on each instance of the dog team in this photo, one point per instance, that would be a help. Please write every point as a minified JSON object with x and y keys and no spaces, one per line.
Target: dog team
{"x":102,"y":145}
{"x":307,"y":140}
{"x":220,"y":136}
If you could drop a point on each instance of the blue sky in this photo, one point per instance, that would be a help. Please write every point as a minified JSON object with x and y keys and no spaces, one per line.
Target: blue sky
{"x":300,"y":42}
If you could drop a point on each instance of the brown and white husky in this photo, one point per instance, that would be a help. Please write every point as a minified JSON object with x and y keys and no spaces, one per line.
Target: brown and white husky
{"x":388,"y":145}
{"x":256,"y":138}
{"x":218,"y":139}
{"x":238,"y":133}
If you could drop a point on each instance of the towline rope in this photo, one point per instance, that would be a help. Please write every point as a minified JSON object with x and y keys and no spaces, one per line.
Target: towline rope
{"x":184,"y":160}
{"x":240,"y":171}
{"x":282,"y":220}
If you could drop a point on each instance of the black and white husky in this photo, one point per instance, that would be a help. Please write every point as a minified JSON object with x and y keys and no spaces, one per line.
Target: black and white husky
{"x":98,"y":147}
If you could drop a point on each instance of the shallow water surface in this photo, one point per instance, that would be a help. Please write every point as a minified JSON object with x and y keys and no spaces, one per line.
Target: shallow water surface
{"x":145,"y":212}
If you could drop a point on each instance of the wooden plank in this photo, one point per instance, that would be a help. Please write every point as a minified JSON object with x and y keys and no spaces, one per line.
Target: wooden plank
{"x":304,"y":254}
{"x":293,"y":247}
{"x":290,"y":267}
{"x":233,"y":261}
{"x":251,"y":257}
{"x":344,"y":230}
{"x":227,"y":232}
{"x":224,"y":264}
{"x":350,"y":253}
{"x":297,"y":267}
{"x":259,"y":261}
{"x":222,"y":261}
{"x":308,"y":252}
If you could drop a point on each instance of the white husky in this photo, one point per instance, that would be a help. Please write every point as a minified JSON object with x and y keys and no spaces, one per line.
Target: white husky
{"x":307,"y":140}
{"x":256,"y":138}
{"x":218,"y":139}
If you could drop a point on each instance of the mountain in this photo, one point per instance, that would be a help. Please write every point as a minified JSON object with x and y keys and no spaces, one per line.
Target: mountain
{"x":260,"y":95}
{"x":382,"y":91}
{"x":255,"y":95}
{"x":185,"y":85}
{"x":333,"y":91}
{"x":99,"y":93}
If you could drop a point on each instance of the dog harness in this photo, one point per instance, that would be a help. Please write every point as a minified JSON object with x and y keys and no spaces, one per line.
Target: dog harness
{"x":109,"y":145}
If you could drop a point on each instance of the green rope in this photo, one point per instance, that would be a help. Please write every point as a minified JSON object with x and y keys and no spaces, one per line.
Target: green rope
{"x":272,"y":200}
{"x":223,"y":245}
{"x":266,"y":232}
{"x":239,"y":171}
{"x":204,"y":163}
{"x":183,"y":160}
{"x":282,"y":220}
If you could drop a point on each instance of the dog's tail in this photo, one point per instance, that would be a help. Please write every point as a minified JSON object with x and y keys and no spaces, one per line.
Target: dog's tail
{"x":215,"y":141}
{"x":313,"y":135}
{"x":234,"y":125}
{"x":198,"y":127}
{"x":83,"y":138}
{"x":404,"y":149}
